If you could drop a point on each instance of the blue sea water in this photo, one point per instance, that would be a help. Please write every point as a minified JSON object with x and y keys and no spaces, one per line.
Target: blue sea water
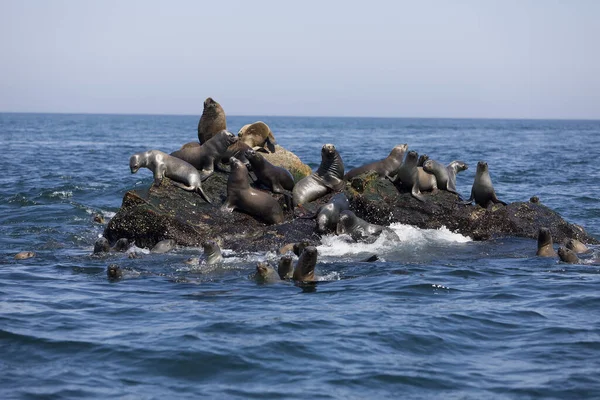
{"x":438,"y":315}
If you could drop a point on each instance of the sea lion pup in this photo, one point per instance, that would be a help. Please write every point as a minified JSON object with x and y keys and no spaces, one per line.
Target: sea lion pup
{"x":304,"y":271}
{"x":252,"y":201}
{"x":483,"y":191}
{"x":328,"y":214}
{"x":285,"y":268}
{"x":359,"y":229}
{"x":442,"y":174}
{"x":114,"y":272}
{"x":24,"y":255}
{"x":183,"y":175}
{"x":204,"y":157}
{"x":384,"y":168}
{"x":212,"y":120}
{"x":544,"y":244}
{"x":164,"y":246}
{"x":328,"y":177}
{"x":576,"y":246}
{"x":212,"y":252}
{"x":258,"y":136}
{"x":277,"y":179}
{"x":422,"y":159}
{"x":568,"y":255}
{"x":408,"y":174}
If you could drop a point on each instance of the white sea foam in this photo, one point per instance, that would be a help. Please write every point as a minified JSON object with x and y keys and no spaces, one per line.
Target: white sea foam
{"x":62,"y":194}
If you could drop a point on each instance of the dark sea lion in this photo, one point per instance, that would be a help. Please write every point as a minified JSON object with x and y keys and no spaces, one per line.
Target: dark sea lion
{"x":299,"y":247}
{"x":453,"y":169}
{"x":483,"y":191}
{"x":121,"y":245}
{"x":304,"y":271}
{"x":114,"y":272}
{"x":204,"y":157}
{"x":212,"y":252}
{"x":568,"y":255}
{"x":183,"y":175}
{"x":328,"y":177}
{"x":422,"y":159}
{"x":101,"y":245}
{"x":164,"y":246}
{"x":544,"y":243}
{"x":576,"y":246}
{"x":24,"y":255}
{"x":252,"y":201}
{"x":359,"y":229}
{"x":408,"y":174}
{"x":372,"y":258}
{"x":384,"y":168}
{"x":266,"y":274}
{"x":276,"y":179}
{"x":258,"y":136}
{"x":285,"y":268}
{"x":212,"y":120}
{"x":329,"y":213}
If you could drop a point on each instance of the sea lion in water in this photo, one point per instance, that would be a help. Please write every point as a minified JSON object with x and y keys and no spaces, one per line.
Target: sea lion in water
{"x":121,"y":245}
{"x":544,"y":244}
{"x":258,"y":136}
{"x":408,"y":174}
{"x":304,"y":271}
{"x":212,"y":120}
{"x":384,"y":168}
{"x":568,"y":255}
{"x":266,"y":274}
{"x":114,"y":272}
{"x":285,"y":268}
{"x":328,"y":177}
{"x":101,"y":245}
{"x":204,"y":157}
{"x":24,"y":255}
{"x":276,"y":179}
{"x":576,"y":246}
{"x":483,"y":191}
{"x":359,"y":229}
{"x":212,"y":252}
{"x":442,"y":174}
{"x":164,"y":246}
{"x":299,"y":247}
{"x":252,"y":201}
{"x":329,"y":213}
{"x":183,"y":175}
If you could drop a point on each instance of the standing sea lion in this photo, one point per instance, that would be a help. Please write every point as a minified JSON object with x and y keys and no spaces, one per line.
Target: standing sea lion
{"x":204,"y":157}
{"x":277,"y":179}
{"x":161,"y":164}
{"x":482,"y":191}
{"x":328,"y":177}
{"x":384,"y":168}
{"x":576,"y":246}
{"x":544,"y":244}
{"x":285,"y":269}
{"x":408,"y":174}
{"x":258,"y":136}
{"x":304,"y":271}
{"x":568,"y":255}
{"x":453,"y":169}
{"x":329,"y":213}
{"x":242,"y":197}
{"x":212,"y":120}
{"x":359,"y":229}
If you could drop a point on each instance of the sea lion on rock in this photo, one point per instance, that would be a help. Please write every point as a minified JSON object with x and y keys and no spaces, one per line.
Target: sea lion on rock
{"x":427,"y":181}
{"x":422,"y":159}
{"x":24,"y":255}
{"x":304,"y":271}
{"x":252,"y":201}
{"x":384,"y":168}
{"x":237,"y":150}
{"x":443,"y":173}
{"x":329,"y":213}
{"x":453,"y":169}
{"x":483,"y":191}
{"x":285,"y":268}
{"x":408,"y":174}
{"x":183,"y":175}
{"x":164,"y":246}
{"x":212,"y":120}
{"x":359,"y":229}
{"x":544,"y":243}
{"x":212,"y":252}
{"x":568,"y":255}
{"x":266,"y":274}
{"x":328,"y":177}
{"x":204,"y":157}
{"x":276,"y":179}
{"x":258,"y":136}
{"x":576,"y":246}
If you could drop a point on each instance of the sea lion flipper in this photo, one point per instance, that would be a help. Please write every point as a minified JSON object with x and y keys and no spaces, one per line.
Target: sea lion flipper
{"x":416,"y":193}
{"x":270,"y":143}
{"x":205,"y":174}
{"x":204,"y":196}
{"x":260,"y":149}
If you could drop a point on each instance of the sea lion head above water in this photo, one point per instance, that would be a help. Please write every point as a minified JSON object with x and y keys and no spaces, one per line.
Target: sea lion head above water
{"x":544,"y":243}
{"x":305,"y":266}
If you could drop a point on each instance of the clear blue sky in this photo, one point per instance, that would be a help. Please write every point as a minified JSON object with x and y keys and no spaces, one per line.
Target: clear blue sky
{"x":481,"y":59}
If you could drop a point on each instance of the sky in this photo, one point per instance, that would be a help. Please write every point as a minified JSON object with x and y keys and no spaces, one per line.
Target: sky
{"x":449,"y":59}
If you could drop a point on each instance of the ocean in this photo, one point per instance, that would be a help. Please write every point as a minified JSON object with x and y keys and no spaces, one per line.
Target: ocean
{"x":438,"y":315}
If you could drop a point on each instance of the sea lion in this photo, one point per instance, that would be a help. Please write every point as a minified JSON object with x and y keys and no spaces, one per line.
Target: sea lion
{"x":24,"y":255}
{"x":408,"y":174}
{"x":576,"y":246}
{"x":359,"y":229}
{"x":101,"y":245}
{"x":212,"y":252}
{"x":299,"y":247}
{"x":164,"y":246}
{"x":328,"y":177}
{"x":442,"y":174}
{"x":266,"y":274}
{"x":285,"y":268}
{"x":114,"y":272}
{"x":483,"y":191}
{"x":204,"y":157}
{"x":212,"y":120}
{"x":237,"y":150}
{"x":252,"y":201}
{"x":276,"y":179}
{"x":258,"y":136}
{"x":568,"y":255}
{"x":544,"y":243}
{"x":427,"y":181}
{"x":384,"y":168}
{"x":453,"y":169}
{"x":422,"y":159}
{"x":328,"y":214}
{"x":121,"y":245}
{"x":183,"y":175}
{"x":304,"y":271}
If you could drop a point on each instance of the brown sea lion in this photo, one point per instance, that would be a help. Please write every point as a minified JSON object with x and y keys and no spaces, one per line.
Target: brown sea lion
{"x":266,"y":274}
{"x":258,"y":136}
{"x":212,"y":120}
{"x":568,"y":255}
{"x":23,"y":255}
{"x":483,"y":191}
{"x":328,"y":177}
{"x":285,"y":268}
{"x":384,"y":168}
{"x":276,"y":179}
{"x":544,"y":243}
{"x":408,"y":174}
{"x":304,"y":271}
{"x":576,"y":246}
{"x":212,"y":252}
{"x":359,"y":229}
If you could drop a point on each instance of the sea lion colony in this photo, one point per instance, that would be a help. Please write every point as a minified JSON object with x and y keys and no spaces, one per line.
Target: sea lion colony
{"x":195,"y":162}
